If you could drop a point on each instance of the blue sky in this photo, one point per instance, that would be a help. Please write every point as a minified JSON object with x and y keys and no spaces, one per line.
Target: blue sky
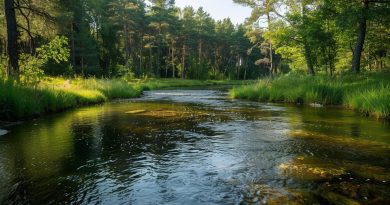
{"x":219,"y":9}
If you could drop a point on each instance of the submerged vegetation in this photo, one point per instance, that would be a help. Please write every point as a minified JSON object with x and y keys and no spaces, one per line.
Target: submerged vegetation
{"x":368,"y":93}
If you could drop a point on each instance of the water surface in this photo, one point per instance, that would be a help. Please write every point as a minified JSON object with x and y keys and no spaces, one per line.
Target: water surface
{"x":196,"y":147}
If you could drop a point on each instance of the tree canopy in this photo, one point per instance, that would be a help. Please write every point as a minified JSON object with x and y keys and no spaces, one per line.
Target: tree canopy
{"x":111,"y":38}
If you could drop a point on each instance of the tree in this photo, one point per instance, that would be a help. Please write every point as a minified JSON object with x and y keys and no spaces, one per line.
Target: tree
{"x":263,"y":8}
{"x":364,"y":15}
{"x":160,"y":20}
{"x":12,"y":39}
{"x":81,"y":27}
{"x":187,"y":33}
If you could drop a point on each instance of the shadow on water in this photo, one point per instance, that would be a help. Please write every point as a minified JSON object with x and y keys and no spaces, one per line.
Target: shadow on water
{"x":196,"y":147}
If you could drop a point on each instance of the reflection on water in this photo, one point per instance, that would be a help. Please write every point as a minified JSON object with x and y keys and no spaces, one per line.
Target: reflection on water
{"x":196,"y":147}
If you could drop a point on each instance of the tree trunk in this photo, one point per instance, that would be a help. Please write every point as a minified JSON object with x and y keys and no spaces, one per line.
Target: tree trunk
{"x":270,"y":46}
{"x":183,"y":61}
{"x":306,"y":46}
{"x":82,"y":66}
{"x":200,"y":50}
{"x":127,"y":46}
{"x":173,"y":61}
{"x":238,"y":65}
{"x":308,"y":58}
{"x":73,"y":48}
{"x":158,"y":62}
{"x":357,"y":53}
{"x":245,"y":73}
{"x":246,"y":66}
{"x":158,"y":71}
{"x":150,"y":59}
{"x":271,"y":60}
{"x":12,"y":39}
{"x":166,"y":63}
{"x":140,"y":56}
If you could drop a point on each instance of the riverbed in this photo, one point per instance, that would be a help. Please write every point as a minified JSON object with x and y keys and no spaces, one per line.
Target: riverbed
{"x":196,"y":147}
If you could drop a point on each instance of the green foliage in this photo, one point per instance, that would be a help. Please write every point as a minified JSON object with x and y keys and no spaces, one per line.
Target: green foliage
{"x":31,"y":66}
{"x":31,"y":72}
{"x":56,"y":50}
{"x":367,"y":93}
{"x":216,"y":75}
{"x":131,"y":39}
{"x":3,"y":67}
{"x":156,"y":38}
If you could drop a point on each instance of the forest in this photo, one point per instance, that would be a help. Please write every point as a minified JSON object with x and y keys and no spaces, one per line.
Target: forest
{"x":113,"y":38}
{"x":153,"y":102}
{"x":44,"y":41}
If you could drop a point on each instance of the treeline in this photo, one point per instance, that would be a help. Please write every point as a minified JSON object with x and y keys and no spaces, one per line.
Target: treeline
{"x":325,"y":35}
{"x":130,"y":37}
{"x":136,"y":38}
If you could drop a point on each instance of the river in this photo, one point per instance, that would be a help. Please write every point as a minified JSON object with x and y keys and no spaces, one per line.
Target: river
{"x":196,"y":147}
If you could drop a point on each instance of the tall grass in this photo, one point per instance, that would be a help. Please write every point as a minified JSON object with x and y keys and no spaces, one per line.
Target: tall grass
{"x":152,"y":84}
{"x":371,"y":101}
{"x":367,"y":93}
{"x":56,"y":94}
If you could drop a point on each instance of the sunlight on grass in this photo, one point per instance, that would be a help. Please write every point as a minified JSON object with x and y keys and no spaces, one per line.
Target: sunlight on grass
{"x":55,"y":94}
{"x":367,"y":93}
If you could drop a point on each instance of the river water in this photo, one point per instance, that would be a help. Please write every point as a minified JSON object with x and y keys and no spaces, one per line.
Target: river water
{"x":196,"y":147}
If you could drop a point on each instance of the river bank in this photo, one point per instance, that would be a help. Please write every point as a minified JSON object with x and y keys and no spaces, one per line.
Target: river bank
{"x":57,"y":94}
{"x":365,"y":93}
{"x":196,"y":147}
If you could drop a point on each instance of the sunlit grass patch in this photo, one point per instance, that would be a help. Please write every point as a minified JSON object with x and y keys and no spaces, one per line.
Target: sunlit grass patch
{"x":55,"y":94}
{"x":87,"y":96}
{"x":367,"y":93}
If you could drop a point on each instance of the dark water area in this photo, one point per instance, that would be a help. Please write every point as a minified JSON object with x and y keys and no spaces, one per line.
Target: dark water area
{"x":196,"y":147}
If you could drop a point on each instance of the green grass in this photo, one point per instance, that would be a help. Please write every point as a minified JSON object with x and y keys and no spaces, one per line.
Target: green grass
{"x":373,"y":101}
{"x":56,"y":94}
{"x":19,"y":102}
{"x":152,"y":84}
{"x":368,"y":93}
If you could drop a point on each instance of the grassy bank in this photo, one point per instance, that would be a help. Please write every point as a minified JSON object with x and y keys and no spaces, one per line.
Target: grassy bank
{"x":152,"y":84}
{"x":56,"y":94}
{"x":366,"y":93}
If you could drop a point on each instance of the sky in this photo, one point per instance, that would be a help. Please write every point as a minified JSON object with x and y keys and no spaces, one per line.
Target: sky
{"x":219,"y":9}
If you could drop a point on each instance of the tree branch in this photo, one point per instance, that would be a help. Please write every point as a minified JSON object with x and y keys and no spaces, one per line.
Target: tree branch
{"x":36,"y":11}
